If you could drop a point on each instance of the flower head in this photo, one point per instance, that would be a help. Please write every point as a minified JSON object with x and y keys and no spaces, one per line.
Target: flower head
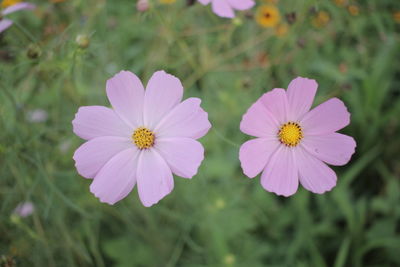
{"x":293,"y":142}
{"x":321,"y":19}
{"x":225,"y":8}
{"x":24,"y":209}
{"x":10,"y":7}
{"x":148,"y":135}
{"x":268,"y":16}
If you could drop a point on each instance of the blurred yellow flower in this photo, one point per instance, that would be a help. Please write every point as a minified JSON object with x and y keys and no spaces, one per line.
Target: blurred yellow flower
{"x":281,"y":29}
{"x":353,"y":10}
{"x":268,"y":16}
{"x":229,"y":259}
{"x":321,"y":19}
{"x":7,"y":3}
{"x":396,"y":16}
{"x":167,"y":2}
{"x":340,"y":2}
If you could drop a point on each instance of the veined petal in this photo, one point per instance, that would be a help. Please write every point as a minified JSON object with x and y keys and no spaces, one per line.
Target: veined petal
{"x":187,"y":119}
{"x":259,"y":121}
{"x":17,"y":7}
{"x":223,"y":9}
{"x":276,"y":103}
{"x":255,"y":154}
{"x":300,"y":94}
{"x":281,"y":173}
{"x":163,"y":93}
{"x":183,"y":155}
{"x":315,"y":175}
{"x":154,"y":177}
{"x":328,"y":117}
{"x":117,"y":178}
{"x":91,"y":156}
{"x":126,"y":93}
{"x":241,"y":4}
{"x":334,"y":148}
{"x":95,"y":121}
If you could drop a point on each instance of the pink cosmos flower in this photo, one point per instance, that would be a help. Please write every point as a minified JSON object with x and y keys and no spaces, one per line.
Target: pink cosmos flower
{"x":225,"y":8}
{"x":147,"y":136}
{"x":293,"y":142}
{"x":6,"y":23}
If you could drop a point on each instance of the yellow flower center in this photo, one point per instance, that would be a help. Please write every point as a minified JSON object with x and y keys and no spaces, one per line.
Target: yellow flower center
{"x":267,"y":16}
{"x":143,"y":138}
{"x":7,"y":3}
{"x":290,"y":134}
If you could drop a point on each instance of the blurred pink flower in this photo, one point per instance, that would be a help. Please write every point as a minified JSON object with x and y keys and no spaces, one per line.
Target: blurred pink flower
{"x":225,"y":8}
{"x":293,"y":142}
{"x":142,"y":5}
{"x":146,"y":137}
{"x":5,"y":23}
{"x":24,"y":209}
{"x":37,"y":115}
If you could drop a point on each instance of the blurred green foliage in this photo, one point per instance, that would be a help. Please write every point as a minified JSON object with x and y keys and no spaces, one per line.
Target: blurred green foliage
{"x":58,"y":58}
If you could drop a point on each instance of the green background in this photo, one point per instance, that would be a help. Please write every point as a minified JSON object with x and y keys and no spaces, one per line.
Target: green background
{"x":220,"y":217}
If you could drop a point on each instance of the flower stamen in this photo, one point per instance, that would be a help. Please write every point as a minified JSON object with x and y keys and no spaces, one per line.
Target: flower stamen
{"x":290,"y":134}
{"x":143,"y":138}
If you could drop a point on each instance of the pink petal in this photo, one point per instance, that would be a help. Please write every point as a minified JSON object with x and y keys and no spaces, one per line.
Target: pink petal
{"x":276,"y":103}
{"x":241,"y":4}
{"x":258,"y":121}
{"x":204,"y":2}
{"x":126,"y":93}
{"x":117,"y":178}
{"x":223,"y":9}
{"x":255,"y":154}
{"x":94,"y":154}
{"x":154,"y":178}
{"x":300,"y":94}
{"x":187,"y":119}
{"x":163,"y":93}
{"x":183,"y":155}
{"x":95,"y":121}
{"x":315,"y":176}
{"x":17,"y":7}
{"x":335,"y":148}
{"x":328,"y":117}
{"x":280,"y":175}
{"x":5,"y":24}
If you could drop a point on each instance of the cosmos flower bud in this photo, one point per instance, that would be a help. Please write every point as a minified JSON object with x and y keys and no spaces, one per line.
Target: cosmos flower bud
{"x":83,"y":41}
{"x":142,"y":5}
{"x":33,"y":51}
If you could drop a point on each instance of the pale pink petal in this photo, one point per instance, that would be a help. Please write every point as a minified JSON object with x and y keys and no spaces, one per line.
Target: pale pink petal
{"x":280,"y":175}
{"x":154,"y":177}
{"x":117,"y":177}
{"x":17,"y":7}
{"x":5,"y":24}
{"x":335,"y":148}
{"x":187,"y":119}
{"x":223,"y":9}
{"x":328,"y":117}
{"x":314,"y":175}
{"x":241,"y":4}
{"x":163,"y":92}
{"x":259,"y":121}
{"x":92,"y":155}
{"x":95,"y":121}
{"x":183,"y":155}
{"x":300,"y":94}
{"x":276,"y":103}
{"x":254,"y":155}
{"x":204,"y":2}
{"x":126,"y":93}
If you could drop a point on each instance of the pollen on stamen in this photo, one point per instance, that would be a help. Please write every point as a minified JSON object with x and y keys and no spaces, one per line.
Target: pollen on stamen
{"x":143,"y":138}
{"x":290,"y":134}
